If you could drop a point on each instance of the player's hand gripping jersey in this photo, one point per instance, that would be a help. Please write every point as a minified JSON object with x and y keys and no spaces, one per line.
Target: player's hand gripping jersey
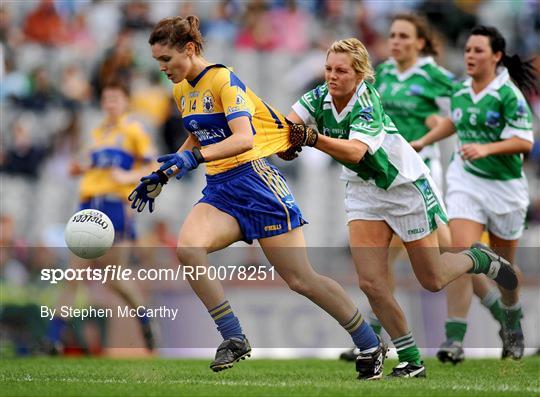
{"x":390,"y":160}
{"x":217,"y":96}
{"x":123,"y":146}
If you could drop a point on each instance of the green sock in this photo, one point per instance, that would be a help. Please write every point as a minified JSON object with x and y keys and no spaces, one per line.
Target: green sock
{"x":492,"y":301}
{"x":374,"y":323}
{"x":407,"y":349}
{"x":481,"y":260}
{"x":455,"y":329}
{"x":511,"y":316}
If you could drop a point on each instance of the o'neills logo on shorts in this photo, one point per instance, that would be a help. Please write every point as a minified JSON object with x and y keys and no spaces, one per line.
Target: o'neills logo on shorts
{"x":418,"y":230}
{"x":271,"y":228}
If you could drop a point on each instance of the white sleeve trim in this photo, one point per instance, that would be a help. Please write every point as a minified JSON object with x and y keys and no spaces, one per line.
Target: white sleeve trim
{"x":509,"y":132}
{"x":303,"y":113}
{"x":373,"y":142}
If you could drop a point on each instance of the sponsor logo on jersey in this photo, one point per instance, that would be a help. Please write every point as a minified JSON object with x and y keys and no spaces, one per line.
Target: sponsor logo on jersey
{"x":194,"y":94}
{"x":194,"y":125}
{"x":366,"y":114}
{"x":317,"y":92}
{"x":457,"y":114}
{"x":335,"y":133}
{"x":240,"y":100}
{"x":492,"y":119}
{"x":415,"y":89}
{"x":208,"y":102}
{"x":521,"y":110}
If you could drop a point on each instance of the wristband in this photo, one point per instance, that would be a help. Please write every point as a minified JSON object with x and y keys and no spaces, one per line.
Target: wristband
{"x":163,"y":178}
{"x":198,"y":155}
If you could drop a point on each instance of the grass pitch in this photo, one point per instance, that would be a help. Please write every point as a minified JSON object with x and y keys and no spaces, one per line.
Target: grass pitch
{"x":312,"y":377}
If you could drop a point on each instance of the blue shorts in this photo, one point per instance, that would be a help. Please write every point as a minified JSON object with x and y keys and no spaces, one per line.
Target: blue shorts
{"x":116,"y":209}
{"x":257,"y":196}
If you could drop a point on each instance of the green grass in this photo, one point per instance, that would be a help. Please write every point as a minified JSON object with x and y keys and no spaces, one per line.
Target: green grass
{"x":161,"y":377}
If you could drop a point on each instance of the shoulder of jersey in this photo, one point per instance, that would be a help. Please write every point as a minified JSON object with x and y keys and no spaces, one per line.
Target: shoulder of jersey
{"x":365,"y":105}
{"x":131,"y":123}
{"x":384,"y":67}
{"x":319,"y":92}
{"x":437,"y":72}
{"x":509,"y":90}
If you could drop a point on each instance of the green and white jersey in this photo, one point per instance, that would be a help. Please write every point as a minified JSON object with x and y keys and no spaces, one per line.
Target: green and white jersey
{"x":496,"y":113}
{"x":410,"y":97}
{"x":390,"y":160}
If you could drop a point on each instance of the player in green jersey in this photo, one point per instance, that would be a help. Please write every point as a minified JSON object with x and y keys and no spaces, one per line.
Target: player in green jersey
{"x":388,"y":191}
{"x":414,"y":90}
{"x":486,"y":184}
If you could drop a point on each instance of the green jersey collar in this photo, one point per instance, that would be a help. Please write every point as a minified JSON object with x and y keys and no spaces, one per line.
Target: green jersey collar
{"x":414,"y":69}
{"x":492,"y":88}
{"x":339,"y":117}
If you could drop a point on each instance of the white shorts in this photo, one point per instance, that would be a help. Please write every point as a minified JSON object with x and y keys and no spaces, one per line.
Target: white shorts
{"x":412,"y":210}
{"x":499,"y":205}
{"x":507,"y":226}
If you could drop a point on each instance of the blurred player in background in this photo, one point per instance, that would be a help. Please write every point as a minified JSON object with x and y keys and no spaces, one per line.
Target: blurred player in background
{"x":388,"y":191}
{"x":118,"y":154}
{"x":232,"y":131}
{"x":487,"y":188}
{"x":413,"y":90}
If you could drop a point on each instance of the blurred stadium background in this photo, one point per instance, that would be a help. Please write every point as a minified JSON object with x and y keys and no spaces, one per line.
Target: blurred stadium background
{"x":55,"y":56}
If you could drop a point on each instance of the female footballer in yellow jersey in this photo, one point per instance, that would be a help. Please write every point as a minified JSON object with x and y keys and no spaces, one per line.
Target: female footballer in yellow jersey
{"x":119,"y":152}
{"x":246,"y":198}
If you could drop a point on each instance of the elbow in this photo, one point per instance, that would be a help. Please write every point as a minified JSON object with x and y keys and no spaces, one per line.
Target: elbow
{"x":356,"y":157}
{"x":245,"y":143}
{"x":527,"y":147}
{"x":358,"y":154}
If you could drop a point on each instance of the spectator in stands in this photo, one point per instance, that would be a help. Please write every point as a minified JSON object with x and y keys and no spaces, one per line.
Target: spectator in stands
{"x":23,"y":157}
{"x":256,"y":32}
{"x":43,"y":94}
{"x":118,"y":62}
{"x":221,"y":27}
{"x":45,"y":26}
{"x":136,"y":15}
{"x":291,"y":26}
{"x":75,"y":89}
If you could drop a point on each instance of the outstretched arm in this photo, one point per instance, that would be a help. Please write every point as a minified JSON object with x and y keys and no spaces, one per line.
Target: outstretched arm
{"x":346,"y":150}
{"x":349,"y":151}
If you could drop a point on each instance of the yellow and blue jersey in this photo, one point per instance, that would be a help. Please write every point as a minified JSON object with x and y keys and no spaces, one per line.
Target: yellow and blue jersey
{"x":217,"y":96}
{"x":124,"y":145}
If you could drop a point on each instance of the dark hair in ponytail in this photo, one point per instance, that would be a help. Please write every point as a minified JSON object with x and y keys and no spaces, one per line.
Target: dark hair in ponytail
{"x":177,"y":32}
{"x":522,"y":72}
{"x":423,"y":31}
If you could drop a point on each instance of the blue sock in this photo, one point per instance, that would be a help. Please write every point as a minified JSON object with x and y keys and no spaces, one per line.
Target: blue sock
{"x":362,"y":334}
{"x":56,"y":329}
{"x":227,"y":323}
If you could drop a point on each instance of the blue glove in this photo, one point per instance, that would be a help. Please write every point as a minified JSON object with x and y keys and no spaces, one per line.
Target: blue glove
{"x":148,"y":190}
{"x":184,"y":162}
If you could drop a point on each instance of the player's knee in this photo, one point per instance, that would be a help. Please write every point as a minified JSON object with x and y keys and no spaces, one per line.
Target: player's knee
{"x":432,"y":283}
{"x":372,"y":288}
{"x":189,"y":254}
{"x":298,"y":285}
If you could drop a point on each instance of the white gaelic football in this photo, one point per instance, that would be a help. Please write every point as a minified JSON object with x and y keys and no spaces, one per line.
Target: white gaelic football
{"x":89,"y":234}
